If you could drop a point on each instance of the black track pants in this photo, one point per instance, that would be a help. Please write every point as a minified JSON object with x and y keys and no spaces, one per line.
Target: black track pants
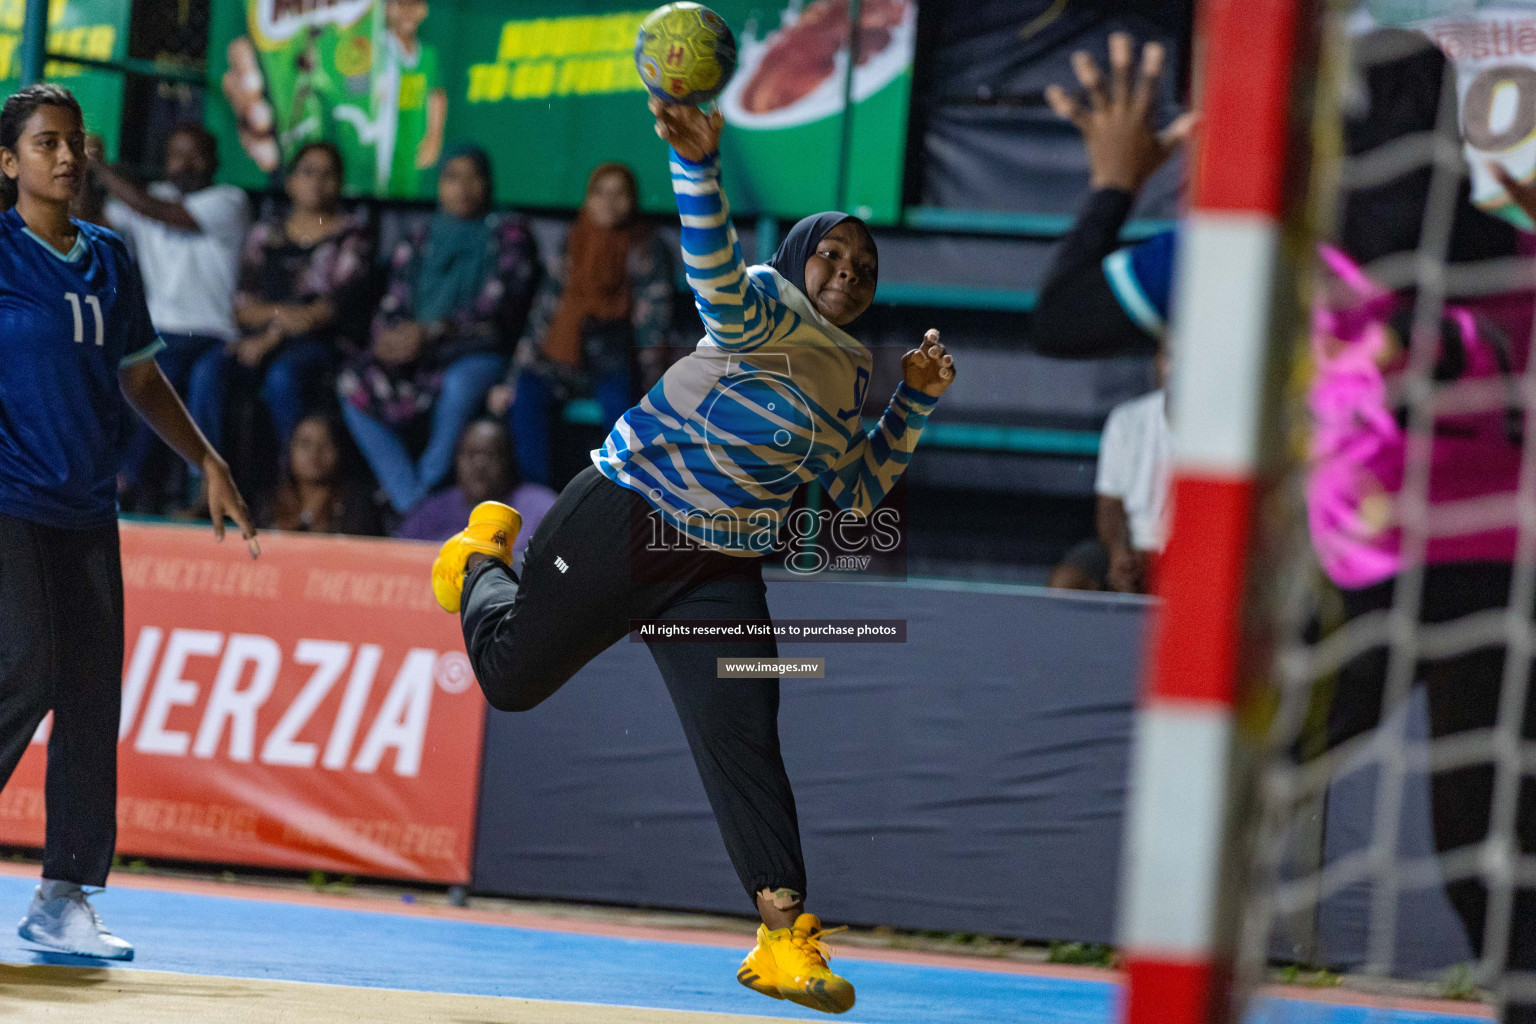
{"x":1463,"y":696}
{"x":61,"y":649}
{"x":526,"y":638}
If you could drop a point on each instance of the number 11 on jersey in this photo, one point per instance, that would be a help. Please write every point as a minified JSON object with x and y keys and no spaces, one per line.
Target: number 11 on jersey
{"x":95,"y":303}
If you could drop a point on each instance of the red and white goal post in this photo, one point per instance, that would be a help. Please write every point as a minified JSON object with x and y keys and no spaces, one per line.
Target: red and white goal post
{"x":1236,"y":300}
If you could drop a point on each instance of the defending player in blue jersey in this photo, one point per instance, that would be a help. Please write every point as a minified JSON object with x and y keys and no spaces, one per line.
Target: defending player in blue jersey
{"x":75,"y":342}
{"x":682,"y":501}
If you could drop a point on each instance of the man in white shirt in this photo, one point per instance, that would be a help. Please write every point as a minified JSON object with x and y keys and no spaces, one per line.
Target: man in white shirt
{"x":186,"y":233}
{"x":1132,"y":488}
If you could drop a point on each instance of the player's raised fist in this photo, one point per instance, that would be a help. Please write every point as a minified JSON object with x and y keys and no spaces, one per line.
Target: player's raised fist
{"x":694,"y":134}
{"x":929,"y":368}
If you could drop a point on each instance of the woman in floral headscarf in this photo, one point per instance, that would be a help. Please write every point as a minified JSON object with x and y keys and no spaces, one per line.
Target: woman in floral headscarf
{"x":459,"y":292}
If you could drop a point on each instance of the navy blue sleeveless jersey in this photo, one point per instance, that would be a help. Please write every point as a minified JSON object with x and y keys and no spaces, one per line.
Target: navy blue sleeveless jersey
{"x":67,"y":325}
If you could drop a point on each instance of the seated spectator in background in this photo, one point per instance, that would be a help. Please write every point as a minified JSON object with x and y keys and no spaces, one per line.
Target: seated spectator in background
{"x":611,"y":296}
{"x":316,"y":494}
{"x":186,"y":232}
{"x":487,"y":471}
{"x":1085,"y":566}
{"x":300,"y":273}
{"x":1132,"y":487}
{"x":459,"y":291}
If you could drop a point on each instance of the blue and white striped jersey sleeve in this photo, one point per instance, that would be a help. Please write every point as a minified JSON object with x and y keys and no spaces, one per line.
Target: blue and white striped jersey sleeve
{"x":735,"y":313}
{"x":866,"y":472}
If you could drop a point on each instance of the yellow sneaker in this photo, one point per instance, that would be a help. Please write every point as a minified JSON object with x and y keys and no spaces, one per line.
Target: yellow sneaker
{"x":791,"y":963}
{"x":492,"y":529}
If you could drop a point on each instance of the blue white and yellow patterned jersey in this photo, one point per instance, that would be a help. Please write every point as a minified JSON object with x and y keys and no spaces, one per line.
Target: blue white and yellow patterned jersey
{"x":769,"y":399}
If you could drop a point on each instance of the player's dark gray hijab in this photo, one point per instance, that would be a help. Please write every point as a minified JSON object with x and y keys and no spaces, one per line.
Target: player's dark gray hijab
{"x":800,"y":244}
{"x":1400,"y":84}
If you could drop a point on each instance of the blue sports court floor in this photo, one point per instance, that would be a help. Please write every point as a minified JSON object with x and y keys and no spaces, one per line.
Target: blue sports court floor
{"x":383,"y":957}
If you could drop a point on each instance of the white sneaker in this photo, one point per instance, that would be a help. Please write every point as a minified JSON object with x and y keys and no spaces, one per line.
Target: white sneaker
{"x":62,"y":919}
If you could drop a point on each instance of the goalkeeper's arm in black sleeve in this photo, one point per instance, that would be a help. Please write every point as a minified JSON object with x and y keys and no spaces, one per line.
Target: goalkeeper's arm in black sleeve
{"x":1077,"y":315}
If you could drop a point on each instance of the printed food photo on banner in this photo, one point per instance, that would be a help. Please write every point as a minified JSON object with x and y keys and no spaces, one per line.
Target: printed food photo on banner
{"x":801,"y":62}
{"x":789,"y":96}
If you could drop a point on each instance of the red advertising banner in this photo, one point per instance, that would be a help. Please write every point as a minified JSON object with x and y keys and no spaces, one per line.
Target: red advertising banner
{"x":312,"y":709}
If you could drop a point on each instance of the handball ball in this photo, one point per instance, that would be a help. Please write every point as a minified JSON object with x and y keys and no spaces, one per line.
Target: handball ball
{"x":685,"y":53}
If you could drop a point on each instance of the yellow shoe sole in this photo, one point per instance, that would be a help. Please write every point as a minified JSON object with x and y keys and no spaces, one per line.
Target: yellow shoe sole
{"x":819,"y":995}
{"x":828,"y":998}
{"x":448,"y":578}
{"x":492,"y":530}
{"x":835,"y":996}
{"x":757,"y":983}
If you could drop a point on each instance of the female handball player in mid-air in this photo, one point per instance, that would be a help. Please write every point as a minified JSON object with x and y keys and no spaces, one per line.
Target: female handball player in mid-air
{"x":75,"y":341}
{"x":681,"y":503}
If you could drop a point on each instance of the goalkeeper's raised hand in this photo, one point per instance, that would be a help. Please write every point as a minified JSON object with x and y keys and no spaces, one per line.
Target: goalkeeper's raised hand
{"x":1124,"y":147}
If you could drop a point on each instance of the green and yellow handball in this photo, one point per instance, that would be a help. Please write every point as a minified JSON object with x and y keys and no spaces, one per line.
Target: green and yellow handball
{"x":685,"y":53}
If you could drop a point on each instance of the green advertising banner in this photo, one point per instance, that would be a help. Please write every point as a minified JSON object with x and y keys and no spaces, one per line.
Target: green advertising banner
{"x":93,"y":29}
{"x":549,"y":88}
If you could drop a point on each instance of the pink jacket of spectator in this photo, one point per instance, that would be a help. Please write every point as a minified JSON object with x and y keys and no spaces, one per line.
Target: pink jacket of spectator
{"x":1358,"y":443}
